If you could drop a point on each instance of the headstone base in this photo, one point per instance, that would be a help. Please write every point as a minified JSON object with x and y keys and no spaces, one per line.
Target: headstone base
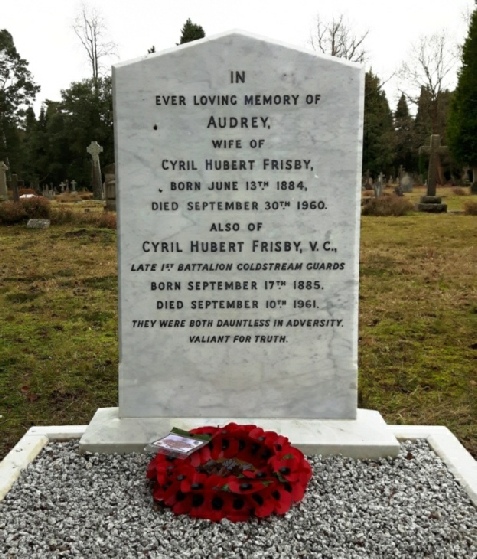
{"x":431,"y":200}
{"x":365,"y":437}
{"x":432,"y":204}
{"x":432,"y":208}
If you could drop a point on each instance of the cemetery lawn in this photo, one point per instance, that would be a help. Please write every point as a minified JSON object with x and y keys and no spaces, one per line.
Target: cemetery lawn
{"x":455,"y":203}
{"x":417,"y":335}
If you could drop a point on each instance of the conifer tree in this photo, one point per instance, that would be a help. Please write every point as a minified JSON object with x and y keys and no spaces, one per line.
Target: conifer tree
{"x":17,"y":93}
{"x":378,"y":130}
{"x":404,"y":127}
{"x":191,"y":32}
{"x":462,"y":124}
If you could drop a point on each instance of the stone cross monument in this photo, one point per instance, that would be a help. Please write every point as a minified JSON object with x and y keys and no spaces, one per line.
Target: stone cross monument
{"x":3,"y":182}
{"x":432,"y":203}
{"x":434,"y":150}
{"x":94,"y":149}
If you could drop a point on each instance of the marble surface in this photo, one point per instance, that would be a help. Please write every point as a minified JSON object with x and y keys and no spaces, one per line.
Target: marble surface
{"x":367,"y":436}
{"x":291,"y":351}
{"x":21,"y":455}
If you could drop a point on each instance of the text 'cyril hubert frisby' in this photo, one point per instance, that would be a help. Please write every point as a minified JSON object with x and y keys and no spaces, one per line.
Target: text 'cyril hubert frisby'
{"x":237,"y":165}
{"x":223,"y":246}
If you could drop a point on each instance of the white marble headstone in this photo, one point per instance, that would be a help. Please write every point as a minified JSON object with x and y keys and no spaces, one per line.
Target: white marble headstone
{"x":238,"y":180}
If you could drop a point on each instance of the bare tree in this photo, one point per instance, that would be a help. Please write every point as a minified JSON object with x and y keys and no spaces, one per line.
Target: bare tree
{"x":336,"y":38}
{"x":91,"y":30}
{"x":431,"y":65}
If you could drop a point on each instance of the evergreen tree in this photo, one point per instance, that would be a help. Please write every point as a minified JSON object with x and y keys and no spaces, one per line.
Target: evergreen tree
{"x":17,"y":93}
{"x":462,"y":124}
{"x":378,"y":132}
{"x":35,"y":149}
{"x":86,"y":114}
{"x":191,"y":32}
{"x":404,"y":127}
{"x":432,"y":114}
{"x":58,"y":149}
{"x":431,"y":118}
{"x":424,"y":126}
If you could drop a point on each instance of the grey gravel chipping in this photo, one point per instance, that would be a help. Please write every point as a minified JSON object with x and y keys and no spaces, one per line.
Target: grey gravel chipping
{"x":71,"y":505}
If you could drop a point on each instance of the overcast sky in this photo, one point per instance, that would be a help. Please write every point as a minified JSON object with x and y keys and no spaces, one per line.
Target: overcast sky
{"x":43,"y":34}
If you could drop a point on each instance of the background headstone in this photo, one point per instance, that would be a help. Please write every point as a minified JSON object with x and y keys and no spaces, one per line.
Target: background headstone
{"x":3,"y":182}
{"x":378,"y":186}
{"x":110,"y":187}
{"x":16,"y":193}
{"x":366,"y":179}
{"x":435,"y":151}
{"x":400,"y":171}
{"x":432,"y":203}
{"x":94,"y":149}
{"x":38,"y":223}
{"x":406,"y":183}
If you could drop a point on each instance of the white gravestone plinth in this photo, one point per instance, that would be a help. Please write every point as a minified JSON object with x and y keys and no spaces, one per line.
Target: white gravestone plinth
{"x":238,"y":183}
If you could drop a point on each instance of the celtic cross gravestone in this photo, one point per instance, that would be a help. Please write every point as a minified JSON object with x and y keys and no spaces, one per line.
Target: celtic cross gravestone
{"x":435,"y":151}
{"x":432,"y":202}
{"x":94,"y":149}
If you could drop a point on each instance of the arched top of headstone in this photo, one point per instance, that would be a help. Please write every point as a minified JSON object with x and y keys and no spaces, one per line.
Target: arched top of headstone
{"x":238,"y":38}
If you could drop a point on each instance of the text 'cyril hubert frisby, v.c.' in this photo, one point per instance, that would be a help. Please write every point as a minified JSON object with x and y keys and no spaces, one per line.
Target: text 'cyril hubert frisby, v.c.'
{"x":226,"y":246}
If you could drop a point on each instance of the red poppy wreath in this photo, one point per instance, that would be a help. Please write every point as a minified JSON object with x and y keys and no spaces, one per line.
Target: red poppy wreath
{"x":242,"y":472}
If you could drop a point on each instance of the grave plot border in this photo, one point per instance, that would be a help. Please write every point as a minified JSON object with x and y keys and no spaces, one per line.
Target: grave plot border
{"x":444,"y":443}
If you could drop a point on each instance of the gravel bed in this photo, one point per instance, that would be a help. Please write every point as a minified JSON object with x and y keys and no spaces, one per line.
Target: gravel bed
{"x":69,"y":505}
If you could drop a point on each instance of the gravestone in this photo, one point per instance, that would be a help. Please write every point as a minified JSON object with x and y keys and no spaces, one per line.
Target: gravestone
{"x":400,"y":173}
{"x":38,"y":223}
{"x":433,"y":203}
{"x":110,"y":187}
{"x":366,"y":179}
{"x":238,"y":183}
{"x":16,"y":193}
{"x":3,"y":182}
{"x":94,"y":149}
{"x":378,"y":186}
{"x":406,"y":183}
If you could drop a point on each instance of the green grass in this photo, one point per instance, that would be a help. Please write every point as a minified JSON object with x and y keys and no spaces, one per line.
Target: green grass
{"x":58,"y":317}
{"x":454,"y":202}
{"x":418,"y":321}
{"x":417,"y":337}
